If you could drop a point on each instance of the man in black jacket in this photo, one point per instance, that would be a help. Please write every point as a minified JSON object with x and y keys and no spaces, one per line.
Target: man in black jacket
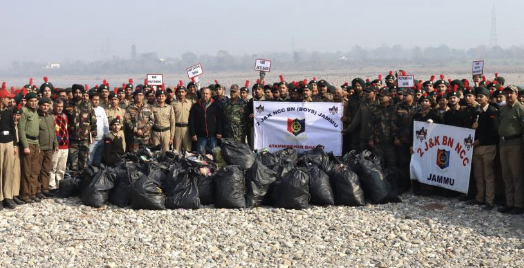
{"x":205,"y":122}
{"x":485,"y":149}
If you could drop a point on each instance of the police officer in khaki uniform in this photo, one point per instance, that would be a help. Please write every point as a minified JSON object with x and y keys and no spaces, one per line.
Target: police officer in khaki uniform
{"x":182,"y":106}
{"x":114,"y":110}
{"x":164,"y":127}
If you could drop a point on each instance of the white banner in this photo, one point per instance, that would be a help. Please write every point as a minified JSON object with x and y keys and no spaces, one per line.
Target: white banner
{"x":262,"y":65}
{"x":155,"y":79}
{"x":442,"y":155}
{"x":477,"y":67}
{"x":406,"y":81}
{"x":301,"y":125}
{"x":194,"y":71}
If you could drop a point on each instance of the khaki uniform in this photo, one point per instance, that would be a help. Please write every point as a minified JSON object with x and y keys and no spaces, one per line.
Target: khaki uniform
{"x":181,"y":140}
{"x":164,"y":127}
{"x":112,"y":114}
{"x":104,"y":104}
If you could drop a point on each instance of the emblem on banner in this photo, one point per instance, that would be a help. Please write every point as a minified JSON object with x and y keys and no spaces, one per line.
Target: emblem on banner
{"x":468,"y":142}
{"x":421,"y":134}
{"x":296,"y":126}
{"x":333,"y":110}
{"x":443,"y":158}
{"x":260,"y":108}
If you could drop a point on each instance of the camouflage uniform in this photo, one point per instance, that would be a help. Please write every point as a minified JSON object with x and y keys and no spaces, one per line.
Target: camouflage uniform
{"x":320,"y":98}
{"x":82,"y":127}
{"x":138,"y":117}
{"x":104,"y":104}
{"x":382,"y":135}
{"x":235,"y":119}
{"x":403,"y":126}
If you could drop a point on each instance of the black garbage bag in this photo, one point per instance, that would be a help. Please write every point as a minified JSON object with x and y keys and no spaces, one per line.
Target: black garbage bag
{"x":230,"y":189}
{"x":69,"y":187}
{"x":268,"y":159}
{"x":320,"y":187}
{"x":287,"y":155}
{"x":346,"y":187}
{"x":292,"y":191}
{"x":96,"y":194}
{"x":376,"y":188}
{"x":315,"y":156}
{"x":157,"y":172}
{"x":393,"y":177}
{"x":126,"y":175}
{"x":258,"y":180}
{"x":147,"y":194}
{"x":206,"y":189}
{"x":237,"y":153}
{"x":185,"y":194}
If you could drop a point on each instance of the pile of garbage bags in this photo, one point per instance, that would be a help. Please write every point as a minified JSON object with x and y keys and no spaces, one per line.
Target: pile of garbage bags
{"x":234,"y":177}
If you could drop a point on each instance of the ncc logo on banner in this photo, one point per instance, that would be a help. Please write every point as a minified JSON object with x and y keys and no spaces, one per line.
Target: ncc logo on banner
{"x":300,"y":125}
{"x":442,"y":155}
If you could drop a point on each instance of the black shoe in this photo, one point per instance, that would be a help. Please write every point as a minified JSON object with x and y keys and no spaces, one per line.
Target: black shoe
{"x":9,"y":203}
{"x":474,"y":202}
{"x":488,"y":206}
{"x":18,"y":201}
{"x":516,"y":211}
{"x":40,"y":195}
{"x":29,"y":201}
{"x":36,"y":199}
{"x":1,"y":206}
{"x":48,"y":194}
{"x":464,"y":198}
{"x":505,"y":209}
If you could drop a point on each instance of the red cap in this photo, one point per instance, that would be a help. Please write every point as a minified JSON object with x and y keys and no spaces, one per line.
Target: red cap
{"x":5,"y":94}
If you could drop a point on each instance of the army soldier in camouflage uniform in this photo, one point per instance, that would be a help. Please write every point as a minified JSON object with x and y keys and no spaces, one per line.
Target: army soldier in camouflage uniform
{"x":235,"y":116}
{"x":403,"y":127}
{"x":382,"y":136}
{"x":82,"y":130}
{"x":128,"y":94}
{"x":139,"y":120}
{"x":323,"y":94}
{"x":164,"y":127}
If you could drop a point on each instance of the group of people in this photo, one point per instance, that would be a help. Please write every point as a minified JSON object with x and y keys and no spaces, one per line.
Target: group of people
{"x":47,"y":133}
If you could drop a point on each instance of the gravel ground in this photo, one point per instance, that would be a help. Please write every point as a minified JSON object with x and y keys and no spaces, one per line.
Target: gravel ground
{"x":420,"y":232}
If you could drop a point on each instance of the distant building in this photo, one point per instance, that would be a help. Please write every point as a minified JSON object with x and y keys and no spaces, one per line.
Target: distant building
{"x":52,"y":66}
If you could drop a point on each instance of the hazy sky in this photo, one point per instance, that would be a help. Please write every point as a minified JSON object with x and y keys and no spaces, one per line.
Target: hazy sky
{"x":58,"y":30}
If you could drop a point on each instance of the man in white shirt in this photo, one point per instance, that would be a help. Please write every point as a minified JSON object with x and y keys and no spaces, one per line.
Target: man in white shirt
{"x":96,"y":148}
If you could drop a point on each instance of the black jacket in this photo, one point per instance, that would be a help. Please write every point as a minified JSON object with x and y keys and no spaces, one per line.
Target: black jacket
{"x":205,"y":123}
{"x":488,"y":125}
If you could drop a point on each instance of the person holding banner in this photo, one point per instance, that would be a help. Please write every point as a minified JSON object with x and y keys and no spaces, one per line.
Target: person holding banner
{"x":485,"y":149}
{"x":511,"y":131}
{"x":258,"y":95}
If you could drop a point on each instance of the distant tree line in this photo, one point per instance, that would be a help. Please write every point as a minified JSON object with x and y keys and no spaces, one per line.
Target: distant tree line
{"x":356,"y":57}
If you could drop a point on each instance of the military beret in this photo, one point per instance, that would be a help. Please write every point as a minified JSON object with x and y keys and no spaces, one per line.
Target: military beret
{"x":46,"y":84}
{"x":93,"y":92}
{"x":160,"y":92}
{"x":18,"y":98}
{"x":322,"y":82}
{"x":18,"y":108}
{"x":138,"y":90}
{"x":453,"y":93}
{"x":255,"y":86}
{"x":459,"y":83}
{"x":245,"y":89}
{"x":482,"y":91}
{"x":30,"y":95}
{"x":500,"y":80}
{"x":120,"y":90}
{"x":115,"y":121}
{"x":181,"y":88}
{"x":469,"y":91}
{"x":441,"y":95}
{"x":408,"y":91}
{"x":190,"y":84}
{"x":44,"y":100}
{"x":384,"y":92}
{"x":102,"y":87}
{"x":274,"y":89}
{"x":129,"y":86}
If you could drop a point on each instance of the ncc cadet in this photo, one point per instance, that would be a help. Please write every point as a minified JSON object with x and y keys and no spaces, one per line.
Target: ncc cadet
{"x":354,"y":101}
{"x":121,"y":97}
{"x":275,"y":92}
{"x":283,"y":91}
{"x":455,"y":116}
{"x":48,"y":146}
{"x":403,"y":126}
{"x":220,"y":97}
{"x":182,"y":107}
{"x":28,"y":134}
{"x":442,"y":105}
{"x":170,"y":96}
{"x":268,"y":93}
{"x":361,"y":123}
{"x":235,"y":116}
{"x":138,"y":120}
{"x":164,"y":127}
{"x":511,"y":131}
{"x":382,"y":134}
{"x":114,"y":143}
{"x":258,"y":95}
{"x":150,"y":96}
{"x":193,"y":94}
{"x":103,"y":90}
{"x":115,"y":110}
{"x":244,"y":92}
{"x":306,"y":92}
{"x":441,"y":85}
{"x":323,"y":94}
{"x":390,"y":80}
{"x":128,"y":94}
{"x":7,"y":152}
{"x":82,"y":130}
{"x":485,"y":149}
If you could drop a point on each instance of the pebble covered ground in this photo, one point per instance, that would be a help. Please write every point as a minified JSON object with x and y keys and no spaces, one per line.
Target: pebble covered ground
{"x":420,"y":232}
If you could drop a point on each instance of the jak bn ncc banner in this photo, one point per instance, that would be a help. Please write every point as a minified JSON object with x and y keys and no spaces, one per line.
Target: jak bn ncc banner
{"x":442,"y":155}
{"x":301,"y":125}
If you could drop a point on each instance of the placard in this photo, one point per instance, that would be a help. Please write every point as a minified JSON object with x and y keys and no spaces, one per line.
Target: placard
{"x":155,"y":79}
{"x":406,"y":81}
{"x":262,"y":65}
{"x":195,"y":70}
{"x":477,"y":67}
